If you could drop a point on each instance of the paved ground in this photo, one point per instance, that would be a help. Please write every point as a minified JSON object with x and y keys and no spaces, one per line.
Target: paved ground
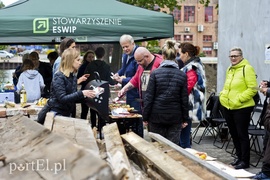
{"x":206,"y":145}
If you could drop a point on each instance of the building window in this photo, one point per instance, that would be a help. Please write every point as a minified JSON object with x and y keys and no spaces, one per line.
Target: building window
{"x":189,"y":13}
{"x":207,"y":50}
{"x":188,"y":37}
{"x":208,"y":14}
{"x":177,"y":14}
{"x":177,"y":37}
{"x":207,"y":38}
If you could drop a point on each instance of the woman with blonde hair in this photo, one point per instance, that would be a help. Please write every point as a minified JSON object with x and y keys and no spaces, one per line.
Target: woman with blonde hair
{"x":166,"y":97}
{"x":64,"y":85}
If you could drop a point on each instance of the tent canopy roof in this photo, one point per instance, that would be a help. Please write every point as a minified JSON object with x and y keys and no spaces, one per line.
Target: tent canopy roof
{"x":89,"y":21}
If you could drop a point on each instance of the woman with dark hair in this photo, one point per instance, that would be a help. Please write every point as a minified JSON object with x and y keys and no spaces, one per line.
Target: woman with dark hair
{"x":45,"y":69}
{"x":195,"y":72}
{"x":65,"y":44}
{"x":18,"y":70}
{"x":32,"y":81}
{"x":104,"y":71}
{"x":87,"y":58}
{"x":166,"y":97}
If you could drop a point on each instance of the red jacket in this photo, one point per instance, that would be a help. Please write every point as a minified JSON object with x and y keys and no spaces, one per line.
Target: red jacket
{"x":136,"y":79}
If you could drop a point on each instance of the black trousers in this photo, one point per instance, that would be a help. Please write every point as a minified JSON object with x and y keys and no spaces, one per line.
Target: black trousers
{"x":266,"y":158}
{"x":238,"y":122}
{"x":169,"y":131}
{"x":84,"y":110}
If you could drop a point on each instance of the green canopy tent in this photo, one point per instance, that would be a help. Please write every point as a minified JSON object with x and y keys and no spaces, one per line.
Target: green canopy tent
{"x":89,"y":21}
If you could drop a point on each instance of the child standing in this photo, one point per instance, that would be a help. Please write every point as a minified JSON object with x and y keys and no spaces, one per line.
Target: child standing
{"x":32,"y":80}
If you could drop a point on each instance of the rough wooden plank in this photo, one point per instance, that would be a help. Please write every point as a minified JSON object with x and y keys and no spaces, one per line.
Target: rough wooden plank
{"x":200,"y":162}
{"x":167,"y":167}
{"x":77,"y":130}
{"x":3,"y":113}
{"x":45,"y":155}
{"x":17,"y":110}
{"x":49,"y":120}
{"x":114,"y":145}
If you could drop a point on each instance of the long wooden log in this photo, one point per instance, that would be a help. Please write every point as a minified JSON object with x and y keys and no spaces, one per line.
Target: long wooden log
{"x":212,"y":171}
{"x":156,"y":160}
{"x":114,"y":146}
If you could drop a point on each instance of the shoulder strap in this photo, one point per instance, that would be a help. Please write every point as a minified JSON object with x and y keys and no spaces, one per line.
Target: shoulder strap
{"x":244,"y":71}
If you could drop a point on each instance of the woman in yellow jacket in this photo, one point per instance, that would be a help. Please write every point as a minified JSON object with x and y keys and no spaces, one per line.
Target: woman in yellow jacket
{"x":237,"y":101}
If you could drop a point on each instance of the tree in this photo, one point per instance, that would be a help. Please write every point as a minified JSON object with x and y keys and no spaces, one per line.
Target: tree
{"x":154,"y":4}
{"x":1,"y":4}
{"x":2,"y":47}
{"x":157,"y":4}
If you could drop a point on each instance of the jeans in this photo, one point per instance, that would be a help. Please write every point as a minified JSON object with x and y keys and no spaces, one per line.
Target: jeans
{"x":185,"y":141}
{"x":137,"y":106}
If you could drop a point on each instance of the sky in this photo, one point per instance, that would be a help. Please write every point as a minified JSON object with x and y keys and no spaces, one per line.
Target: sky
{"x":8,"y":2}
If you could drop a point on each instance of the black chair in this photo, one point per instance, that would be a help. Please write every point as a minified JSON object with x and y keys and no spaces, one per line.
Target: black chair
{"x":220,"y":126}
{"x":210,"y":127}
{"x":257,"y":133}
{"x":254,"y":123}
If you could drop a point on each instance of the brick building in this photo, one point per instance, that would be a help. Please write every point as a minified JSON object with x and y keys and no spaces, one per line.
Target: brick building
{"x":197,"y":24}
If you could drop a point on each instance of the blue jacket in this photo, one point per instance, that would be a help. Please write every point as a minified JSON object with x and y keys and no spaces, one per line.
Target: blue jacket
{"x":129,"y":68}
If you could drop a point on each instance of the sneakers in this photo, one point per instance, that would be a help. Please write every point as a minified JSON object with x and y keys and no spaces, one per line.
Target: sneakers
{"x":261,"y":175}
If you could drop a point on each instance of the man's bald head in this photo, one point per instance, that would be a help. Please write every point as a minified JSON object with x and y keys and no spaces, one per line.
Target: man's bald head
{"x":143,"y":56}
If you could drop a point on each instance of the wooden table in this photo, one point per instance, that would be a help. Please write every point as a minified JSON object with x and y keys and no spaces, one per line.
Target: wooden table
{"x":126,"y":123}
{"x":28,"y":111}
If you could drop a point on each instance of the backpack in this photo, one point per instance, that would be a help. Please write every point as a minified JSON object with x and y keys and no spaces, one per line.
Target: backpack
{"x":256,"y":97}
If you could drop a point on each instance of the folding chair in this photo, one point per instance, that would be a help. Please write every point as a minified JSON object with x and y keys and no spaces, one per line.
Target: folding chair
{"x":209,"y":126}
{"x":257,"y":133}
{"x":204,"y":123}
{"x":253,"y":125}
{"x":220,"y":138}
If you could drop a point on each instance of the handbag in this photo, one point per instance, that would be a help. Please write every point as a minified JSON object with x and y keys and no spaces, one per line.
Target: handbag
{"x":100,"y":103}
{"x":42,"y":114}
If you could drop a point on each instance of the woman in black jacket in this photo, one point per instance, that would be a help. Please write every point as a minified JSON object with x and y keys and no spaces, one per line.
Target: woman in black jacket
{"x":166,"y":98}
{"x":64,"y":94}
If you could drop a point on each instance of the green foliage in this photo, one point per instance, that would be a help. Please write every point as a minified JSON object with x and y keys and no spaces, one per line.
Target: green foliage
{"x":154,"y":50}
{"x":150,"y":4}
{"x":3,"y":47}
{"x":205,"y":2}
{"x":202,"y":54}
{"x":152,"y":46}
{"x":1,"y":4}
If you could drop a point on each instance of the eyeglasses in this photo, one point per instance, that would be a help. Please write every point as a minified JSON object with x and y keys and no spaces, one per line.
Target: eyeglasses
{"x":140,"y":60}
{"x":234,"y":56}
